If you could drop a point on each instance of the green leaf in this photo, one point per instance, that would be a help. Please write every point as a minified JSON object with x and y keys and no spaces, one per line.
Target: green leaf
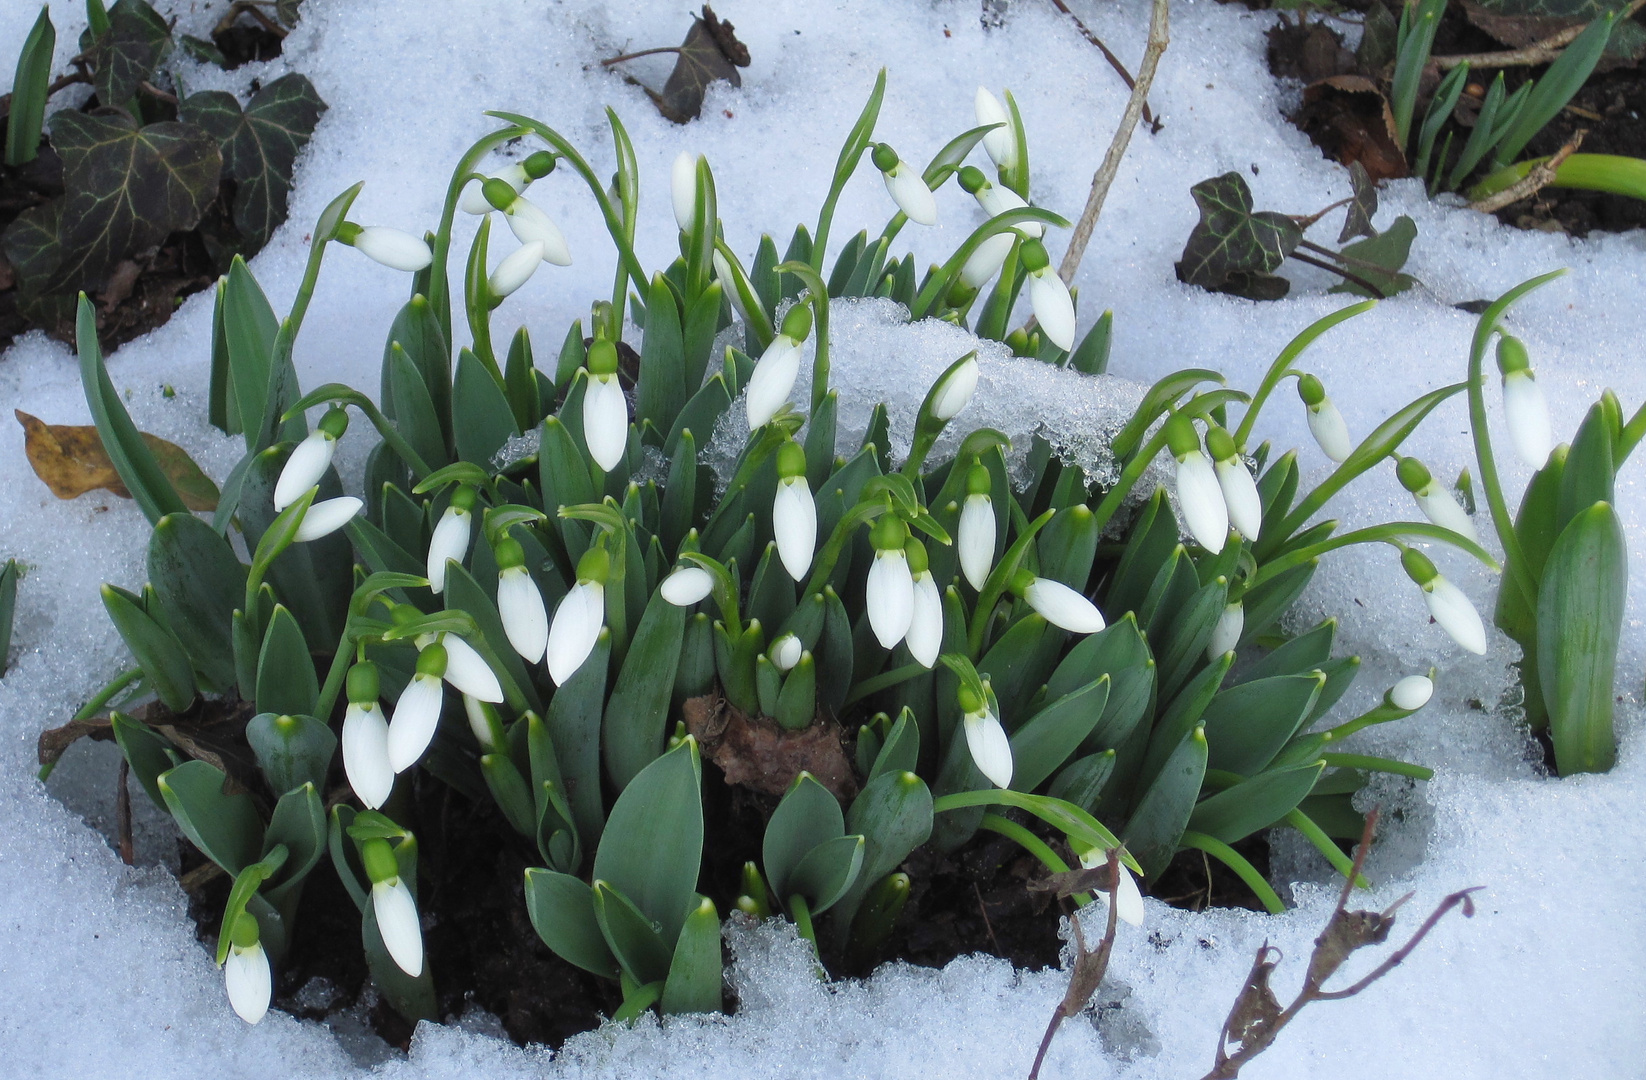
{"x":633,"y":938}
{"x":8,"y":608}
{"x":1156,"y":826}
{"x":481,"y":418}
{"x":1233,"y":246}
{"x":250,"y":327}
{"x":1041,"y":746}
{"x":1246,"y":725}
{"x":637,"y":714}
{"x":561,"y":909}
{"x":827,"y":871}
{"x":286,"y":682}
{"x":1590,"y":471}
{"x":200,"y":583}
{"x":291,"y":750}
{"x":298,"y":823}
{"x":901,"y":750}
{"x":807,"y":816}
{"x":1081,"y":782}
{"x":662,"y":389}
{"x":1564,"y":78}
{"x":156,"y":649}
{"x":30,"y":245}
{"x":652,"y":847}
{"x":146,"y":752}
{"x":1235,"y":813}
{"x":225,"y":827}
{"x":1304,"y":653}
{"x":893,"y":814}
{"x":136,"y":42}
{"x":1579,"y":621}
{"x":573,"y":720}
{"x":1387,"y":251}
{"x":696,"y":971}
{"x":28,"y":91}
{"x":259,"y":146}
{"x":509,"y":790}
{"x":128,"y":189}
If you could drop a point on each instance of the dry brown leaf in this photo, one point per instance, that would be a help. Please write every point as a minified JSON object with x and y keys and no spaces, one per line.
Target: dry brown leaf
{"x":754,"y":752}
{"x":71,"y":460}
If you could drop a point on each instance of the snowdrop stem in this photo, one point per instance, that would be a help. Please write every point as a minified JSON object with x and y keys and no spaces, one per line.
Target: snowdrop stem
{"x":1392,"y":532}
{"x":1282,"y":366}
{"x":885,"y":680}
{"x":817,"y":292}
{"x":937,"y":286}
{"x":749,"y":304}
{"x":1502,"y":520}
{"x":335,"y":674}
{"x":1115,"y":497}
{"x":339,"y":394}
{"x":829,"y":554}
{"x":858,"y":141}
{"x":999,"y":578}
{"x":467,"y":166}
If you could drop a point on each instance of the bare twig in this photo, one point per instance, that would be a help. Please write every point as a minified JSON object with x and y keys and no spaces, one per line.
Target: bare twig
{"x":1257,"y":1018}
{"x":637,"y":55}
{"x":1089,"y":967}
{"x":1114,"y":61}
{"x":1341,"y":272}
{"x":122,"y":813}
{"x":1540,"y":177}
{"x":1541,"y":52}
{"x":1104,"y":177}
{"x":155,"y":92}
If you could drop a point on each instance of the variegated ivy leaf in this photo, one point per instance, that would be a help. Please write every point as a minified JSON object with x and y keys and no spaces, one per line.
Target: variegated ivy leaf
{"x":1233,"y":247}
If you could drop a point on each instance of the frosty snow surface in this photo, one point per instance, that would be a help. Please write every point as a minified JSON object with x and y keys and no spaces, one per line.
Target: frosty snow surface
{"x":100,"y":972}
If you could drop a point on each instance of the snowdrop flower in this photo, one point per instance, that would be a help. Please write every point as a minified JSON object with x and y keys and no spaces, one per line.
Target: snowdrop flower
{"x":956,"y":390}
{"x":451,"y":537}
{"x":996,"y":199}
{"x":605,"y":409}
{"x":1198,"y":490}
{"x":985,"y":262}
{"x":925,"y":636}
{"x":1245,"y":506}
{"x":520,"y":602}
{"x":1325,"y":422}
{"x":1524,"y":409}
{"x":1128,"y":900}
{"x":1226,"y":634}
{"x":1412,"y":693}
{"x":890,"y":591}
{"x":579,"y":618}
{"x":1447,"y":604}
{"x":688,"y":585}
{"x":1049,"y":297}
{"x":906,"y":187}
{"x":999,"y":143}
{"x":395,"y":249}
{"x":466,"y":670}
{"x":310,"y":459}
{"x":516,"y":269}
{"x":246,"y":974}
{"x":990,"y":748}
{"x":1434,"y":500}
{"x":785,"y":653}
{"x":977,"y":528}
{"x":518,"y":176}
{"x":366,"y":739}
{"x":683,"y":189}
{"x":775,"y":371}
{"x":392,"y":903}
{"x":794,"y":513}
{"x":326,"y":517}
{"x":528,"y":221}
{"x":1058,"y":604}
{"x":417,"y":713}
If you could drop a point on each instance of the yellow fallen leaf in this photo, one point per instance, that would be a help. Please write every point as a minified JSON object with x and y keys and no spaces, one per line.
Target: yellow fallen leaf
{"x":71,"y":460}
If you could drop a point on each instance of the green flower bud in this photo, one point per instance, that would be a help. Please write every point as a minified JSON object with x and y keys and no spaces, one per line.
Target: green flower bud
{"x":978,"y":479}
{"x":1033,"y":255}
{"x":602,"y":358}
{"x":431,"y":660}
{"x":791,"y":460}
{"x":347,"y":233}
{"x":1511,"y":355}
{"x":335,"y":422}
{"x":1220,"y":444}
{"x":508,"y":553}
{"x":464,"y":498}
{"x":797,"y":324}
{"x":889,"y":533}
{"x":1413,"y":476}
{"x":1418,"y":567}
{"x":539,"y":165}
{"x":363,"y":684}
{"x":499,"y":193}
{"x":595,"y":565}
{"x":1180,"y":436}
{"x":1310,"y":390}
{"x":915,"y":552}
{"x":968,"y":699}
{"x":379,"y":861}
{"x":885,"y":158}
{"x":971,"y":179}
{"x":245,"y":933}
{"x":404,"y":614}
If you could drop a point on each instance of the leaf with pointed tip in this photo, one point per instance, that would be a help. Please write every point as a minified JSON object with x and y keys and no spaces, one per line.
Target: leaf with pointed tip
{"x":711,"y":51}
{"x":561,"y":909}
{"x":136,"y":43}
{"x":1357,"y":219}
{"x":1387,"y":251}
{"x":1231,"y":238}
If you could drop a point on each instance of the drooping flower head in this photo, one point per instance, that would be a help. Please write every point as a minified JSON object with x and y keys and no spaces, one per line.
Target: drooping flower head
{"x":1447,"y":604}
{"x":605,"y":409}
{"x":1524,"y":408}
{"x":906,"y":186}
{"x":394,"y":907}
{"x":1325,"y":422}
{"x":310,"y":458}
{"x":1198,"y":490}
{"x":777,"y":368}
{"x":794,"y":513}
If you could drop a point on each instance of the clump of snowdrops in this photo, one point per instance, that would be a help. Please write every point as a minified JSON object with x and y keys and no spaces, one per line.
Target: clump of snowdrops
{"x":544,"y":588}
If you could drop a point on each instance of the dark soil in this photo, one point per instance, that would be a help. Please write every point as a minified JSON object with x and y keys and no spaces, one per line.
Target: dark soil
{"x":1342,"y":116}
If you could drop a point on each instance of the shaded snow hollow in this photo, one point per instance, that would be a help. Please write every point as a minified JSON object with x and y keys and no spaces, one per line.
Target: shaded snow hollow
{"x":99,"y":969}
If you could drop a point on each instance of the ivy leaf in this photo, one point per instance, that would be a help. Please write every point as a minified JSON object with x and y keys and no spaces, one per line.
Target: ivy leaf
{"x":259,"y":146}
{"x":128,"y":188}
{"x":711,"y":51}
{"x":1357,"y":220}
{"x":71,"y":460}
{"x":1232,"y":247}
{"x":288,"y":12}
{"x":135,"y":43}
{"x":30,"y":245}
{"x":1386,"y":252}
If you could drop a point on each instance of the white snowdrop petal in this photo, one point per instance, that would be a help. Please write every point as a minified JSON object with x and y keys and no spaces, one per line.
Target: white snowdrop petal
{"x":687,"y":586}
{"x":1527,"y":415}
{"x":530,"y":225}
{"x":985,"y":262}
{"x":249,"y":982}
{"x":1412,"y":693}
{"x":956,"y":393}
{"x":683,"y":189}
{"x":977,"y":539}
{"x":516,"y":269}
{"x":399,"y":925}
{"x":773,"y":379}
{"x":1063,"y":607}
{"x":998,"y":143}
{"x":996,"y":199}
{"x":990,"y":748}
{"x":1053,"y":306}
{"x":520,"y":604}
{"x":325,"y":518}
{"x":925,"y":637}
{"x":478,"y":724}
{"x":1226,"y":634}
{"x":911,"y":194}
{"x":575,"y":630}
{"x":473,"y":200}
{"x":1201,"y":498}
{"x":889,"y":597}
{"x":606,"y":421}
{"x":724,"y":273}
{"x":1245,"y":505}
{"x":1330,"y":432}
{"x":393,"y":248}
{"x":787,"y":652}
{"x":468,"y":672}
{"x":794,"y":525}
{"x":366,"y":754}
{"x":416,"y":716}
{"x":450,"y":541}
{"x":303,"y":469}
{"x":1128,"y":899}
{"x":1439,"y":507}
{"x":1456,"y":615}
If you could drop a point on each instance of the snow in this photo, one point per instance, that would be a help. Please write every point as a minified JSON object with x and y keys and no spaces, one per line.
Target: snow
{"x":99,"y":967}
